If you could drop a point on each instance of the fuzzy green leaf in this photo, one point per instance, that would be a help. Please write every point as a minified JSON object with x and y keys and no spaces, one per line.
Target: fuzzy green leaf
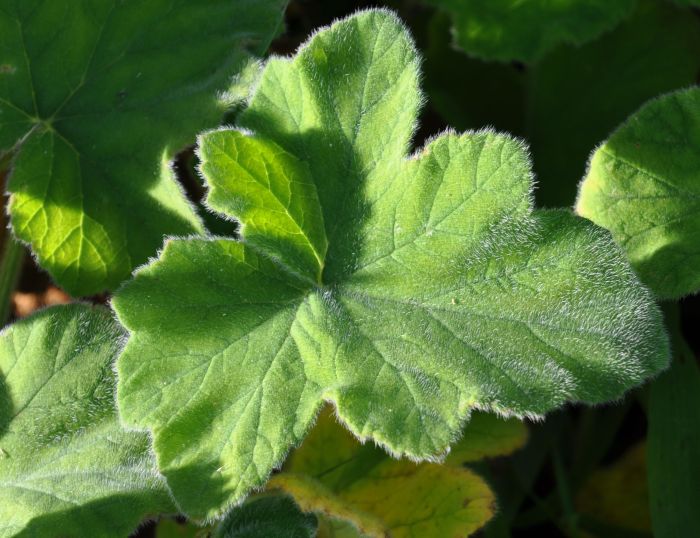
{"x":66,"y":466}
{"x":273,"y":516}
{"x":642,"y":184}
{"x":96,"y":96}
{"x":515,"y":30}
{"x":440,"y":291}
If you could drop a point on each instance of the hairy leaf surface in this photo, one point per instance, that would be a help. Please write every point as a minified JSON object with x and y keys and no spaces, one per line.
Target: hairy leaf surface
{"x":431,"y":288}
{"x":643,"y":184}
{"x":66,"y":466}
{"x":508,"y":30}
{"x":333,"y":474}
{"x":96,"y":96}
{"x":275,"y":516}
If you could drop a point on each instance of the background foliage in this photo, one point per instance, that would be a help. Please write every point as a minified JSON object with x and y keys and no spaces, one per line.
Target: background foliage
{"x":604,"y":92}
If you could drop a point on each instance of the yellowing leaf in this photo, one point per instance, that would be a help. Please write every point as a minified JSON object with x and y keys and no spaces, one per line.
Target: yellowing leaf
{"x":618,"y":495}
{"x":313,"y":496}
{"x":333,"y":474}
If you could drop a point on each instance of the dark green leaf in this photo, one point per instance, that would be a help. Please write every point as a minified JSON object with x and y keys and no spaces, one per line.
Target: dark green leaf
{"x":273,"y":516}
{"x":96,"y":96}
{"x":673,"y":447}
{"x":526,"y":30}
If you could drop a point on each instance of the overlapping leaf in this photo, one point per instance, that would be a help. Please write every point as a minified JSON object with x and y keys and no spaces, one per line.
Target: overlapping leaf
{"x":515,"y":30}
{"x":273,"y":516}
{"x":431,"y":288}
{"x":66,"y":466}
{"x":95,"y":97}
{"x":607,"y":79}
{"x":617,"y":495}
{"x":643,"y":185}
{"x":342,"y":481}
{"x":487,"y":436}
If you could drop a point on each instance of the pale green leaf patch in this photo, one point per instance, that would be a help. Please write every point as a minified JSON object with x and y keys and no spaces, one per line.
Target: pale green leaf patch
{"x":67,"y":468}
{"x":508,"y":30}
{"x":406,"y":291}
{"x":96,"y":97}
{"x":643,"y":184}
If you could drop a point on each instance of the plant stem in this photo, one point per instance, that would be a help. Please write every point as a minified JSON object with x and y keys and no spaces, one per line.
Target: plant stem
{"x":12,"y":252}
{"x":567,"y":504}
{"x":10,"y":268}
{"x":673,"y":442}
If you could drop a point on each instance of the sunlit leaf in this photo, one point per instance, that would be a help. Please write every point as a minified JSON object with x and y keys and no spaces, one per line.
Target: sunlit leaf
{"x":66,"y":467}
{"x":643,"y":184}
{"x":431,"y":288}
{"x":96,"y":96}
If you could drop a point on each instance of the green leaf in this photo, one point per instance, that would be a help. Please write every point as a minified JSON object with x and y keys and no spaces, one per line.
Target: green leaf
{"x":487,"y":436}
{"x":333,"y":474}
{"x":441,"y":290}
{"x":170,"y":528}
{"x":579,"y":95}
{"x":273,"y":193}
{"x":515,"y":30}
{"x":642,"y":185}
{"x":96,"y":97}
{"x":66,"y":466}
{"x":673,"y":442}
{"x":269,"y":516}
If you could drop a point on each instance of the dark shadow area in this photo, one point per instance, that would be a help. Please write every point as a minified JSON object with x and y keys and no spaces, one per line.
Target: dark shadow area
{"x":6,"y":407}
{"x":202,"y":479}
{"x":690,"y":321}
